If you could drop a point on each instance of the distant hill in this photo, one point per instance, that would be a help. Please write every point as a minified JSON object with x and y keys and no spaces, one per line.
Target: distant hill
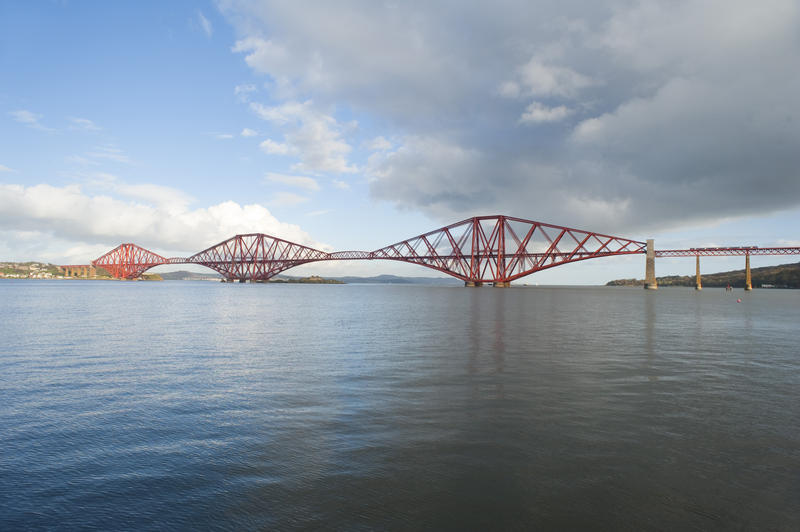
{"x":783,"y":276}
{"x":29,"y":270}
{"x":394,"y":279}
{"x":184,"y":275}
{"x":41,"y":270}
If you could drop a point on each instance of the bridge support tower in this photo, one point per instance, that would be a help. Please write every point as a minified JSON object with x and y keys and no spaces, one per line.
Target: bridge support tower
{"x":699,"y":284}
{"x":650,"y":267}
{"x":748,"y":285}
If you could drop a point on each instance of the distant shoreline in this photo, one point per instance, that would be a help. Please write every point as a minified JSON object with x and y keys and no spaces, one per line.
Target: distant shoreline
{"x":782,"y":276}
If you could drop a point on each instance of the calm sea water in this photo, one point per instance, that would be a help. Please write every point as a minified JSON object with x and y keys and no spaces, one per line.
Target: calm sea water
{"x":196,"y":405}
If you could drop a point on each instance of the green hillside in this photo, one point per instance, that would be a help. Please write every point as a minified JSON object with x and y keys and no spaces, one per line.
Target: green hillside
{"x":783,"y":276}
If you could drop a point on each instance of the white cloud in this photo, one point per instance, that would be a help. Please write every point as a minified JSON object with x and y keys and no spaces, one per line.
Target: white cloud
{"x":509,"y":89}
{"x":205,"y":24}
{"x":396,"y":58}
{"x":588,"y":129}
{"x":102,"y":179}
{"x":287,"y":199}
{"x":84,"y":161}
{"x":313,"y":137}
{"x":426,"y":169}
{"x":343,"y":185}
{"x":244,"y":91}
{"x":224,"y":136}
{"x":167,"y":198}
{"x":274,"y":148}
{"x":378,"y":144}
{"x":30,"y":119}
{"x":247,"y":132}
{"x":538,"y":113}
{"x":282,"y":114}
{"x":25,"y":117}
{"x":539,"y":79}
{"x":152,"y":216}
{"x":663,"y":104}
{"x":23,"y":246}
{"x":318,"y":213}
{"x":265,"y":56}
{"x":307,"y":183}
{"x":4,"y":168}
{"x":109,"y":153}
{"x":84,"y":123}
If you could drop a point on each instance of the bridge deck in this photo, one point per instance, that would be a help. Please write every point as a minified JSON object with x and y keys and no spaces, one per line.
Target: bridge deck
{"x":728,"y":251}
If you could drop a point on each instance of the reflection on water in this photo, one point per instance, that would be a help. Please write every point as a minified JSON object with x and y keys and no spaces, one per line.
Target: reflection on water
{"x":203,"y":405}
{"x":649,"y":327}
{"x":486,"y":314}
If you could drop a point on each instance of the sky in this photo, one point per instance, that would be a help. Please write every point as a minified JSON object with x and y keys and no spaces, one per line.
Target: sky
{"x":353,"y":125}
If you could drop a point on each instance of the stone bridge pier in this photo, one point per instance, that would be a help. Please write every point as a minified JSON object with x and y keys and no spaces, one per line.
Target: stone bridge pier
{"x":650,"y":282}
{"x":79,"y":270}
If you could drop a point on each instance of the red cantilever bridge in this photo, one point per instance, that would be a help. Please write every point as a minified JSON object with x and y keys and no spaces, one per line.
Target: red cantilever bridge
{"x":482,"y":249}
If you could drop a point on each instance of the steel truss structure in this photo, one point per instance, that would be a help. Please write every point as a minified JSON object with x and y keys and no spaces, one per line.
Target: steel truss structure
{"x":255,"y":256}
{"x":482,"y":249}
{"x":128,"y":261}
{"x":726,"y":252}
{"x":500,"y":249}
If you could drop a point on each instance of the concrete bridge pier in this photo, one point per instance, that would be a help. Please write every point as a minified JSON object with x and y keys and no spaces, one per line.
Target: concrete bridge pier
{"x":699,"y":285}
{"x":748,"y":285}
{"x":502,"y":284}
{"x":476,"y":284}
{"x":650,"y":267}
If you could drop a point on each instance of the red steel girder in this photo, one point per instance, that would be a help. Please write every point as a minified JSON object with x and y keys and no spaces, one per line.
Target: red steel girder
{"x":128,"y":261}
{"x":504,"y":248}
{"x":349,"y":255}
{"x":479,"y":249}
{"x":726,"y":251}
{"x":255,"y":256}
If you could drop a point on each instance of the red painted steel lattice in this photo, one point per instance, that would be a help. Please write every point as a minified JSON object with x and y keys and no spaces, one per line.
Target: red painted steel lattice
{"x":480,"y":249}
{"x":730,"y":251}
{"x":255,"y":256}
{"x":128,"y":261}
{"x":483,"y":249}
{"x":503,"y":248}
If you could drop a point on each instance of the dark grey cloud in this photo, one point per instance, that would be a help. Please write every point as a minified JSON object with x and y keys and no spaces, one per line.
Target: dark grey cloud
{"x":617,"y":116}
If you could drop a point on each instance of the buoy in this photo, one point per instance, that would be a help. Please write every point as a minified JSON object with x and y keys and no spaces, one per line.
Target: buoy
{"x":738,"y":300}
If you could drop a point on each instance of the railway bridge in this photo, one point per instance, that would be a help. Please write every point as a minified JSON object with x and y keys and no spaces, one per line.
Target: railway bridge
{"x":481,"y":250}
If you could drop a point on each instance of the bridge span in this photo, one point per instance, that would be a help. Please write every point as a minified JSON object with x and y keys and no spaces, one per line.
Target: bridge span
{"x":479,"y":250}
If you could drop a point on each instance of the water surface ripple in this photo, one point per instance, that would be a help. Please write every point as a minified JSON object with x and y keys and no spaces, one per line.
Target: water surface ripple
{"x":196,"y":405}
